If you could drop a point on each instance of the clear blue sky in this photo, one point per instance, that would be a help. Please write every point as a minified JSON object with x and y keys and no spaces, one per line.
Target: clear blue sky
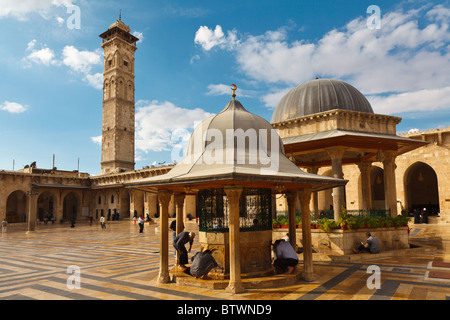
{"x":190,"y":54}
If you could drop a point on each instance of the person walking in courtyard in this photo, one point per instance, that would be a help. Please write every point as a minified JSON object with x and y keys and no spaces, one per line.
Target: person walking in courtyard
{"x":102,"y":222}
{"x":4,"y":225}
{"x":179,"y":244}
{"x":141,"y":224}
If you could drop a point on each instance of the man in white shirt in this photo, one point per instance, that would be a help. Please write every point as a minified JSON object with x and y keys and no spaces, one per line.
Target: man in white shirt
{"x":285,"y":257}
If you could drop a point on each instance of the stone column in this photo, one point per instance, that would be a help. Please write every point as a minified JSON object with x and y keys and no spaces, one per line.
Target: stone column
{"x":164,"y":199}
{"x":179,"y":202}
{"x":292,"y":199}
{"x":364,"y":168}
{"x":315,"y":195}
{"x":32,"y":198}
{"x":305,"y":198}
{"x":235,"y":285}
{"x":336,"y":154}
{"x":390,"y":190}
{"x":137,"y":203}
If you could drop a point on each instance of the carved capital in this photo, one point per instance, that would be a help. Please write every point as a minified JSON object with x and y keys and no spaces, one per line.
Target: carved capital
{"x":291,"y":197}
{"x":164,"y":197}
{"x":233,"y":193}
{"x":364,"y":167}
{"x":336,"y":152}
{"x":389,"y":156}
{"x":179,"y":199}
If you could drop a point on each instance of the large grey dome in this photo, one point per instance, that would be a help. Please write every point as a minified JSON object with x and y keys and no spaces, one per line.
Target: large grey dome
{"x":320,"y":95}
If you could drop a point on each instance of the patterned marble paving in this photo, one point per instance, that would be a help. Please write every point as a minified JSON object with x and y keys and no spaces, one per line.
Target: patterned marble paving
{"x":120,"y":264}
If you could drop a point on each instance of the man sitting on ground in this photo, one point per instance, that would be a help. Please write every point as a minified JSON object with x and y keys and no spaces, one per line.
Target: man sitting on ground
{"x":372,"y":245}
{"x":285,"y":257}
{"x":202,"y":263}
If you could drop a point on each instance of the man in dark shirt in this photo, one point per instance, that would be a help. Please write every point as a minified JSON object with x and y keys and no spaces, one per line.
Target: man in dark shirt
{"x":372,"y":245}
{"x":173,"y":228}
{"x":202,"y":263}
{"x":179,"y":244}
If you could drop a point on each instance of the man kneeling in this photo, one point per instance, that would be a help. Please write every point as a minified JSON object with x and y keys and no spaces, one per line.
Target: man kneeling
{"x":202,"y":263}
{"x":285,"y":257}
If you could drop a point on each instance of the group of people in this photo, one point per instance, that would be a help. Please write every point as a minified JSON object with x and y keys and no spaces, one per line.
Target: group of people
{"x":285,"y":256}
{"x":202,"y":262}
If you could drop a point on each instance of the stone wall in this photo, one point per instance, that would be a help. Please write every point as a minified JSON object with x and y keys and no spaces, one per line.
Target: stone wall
{"x":341,"y":242}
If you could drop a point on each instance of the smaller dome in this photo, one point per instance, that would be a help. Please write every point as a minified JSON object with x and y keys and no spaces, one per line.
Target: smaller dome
{"x":317,"y":96}
{"x":236,"y":118}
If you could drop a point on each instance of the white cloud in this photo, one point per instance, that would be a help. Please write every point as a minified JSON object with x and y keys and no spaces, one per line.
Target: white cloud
{"x":21,"y":9}
{"x":97,"y":140}
{"x":31,"y":45}
{"x":209,"y":38}
{"x":195,"y":58}
{"x":224,"y":89}
{"x":80,"y":61}
{"x":13,"y":107}
{"x":156,"y":122}
{"x":139,"y":35}
{"x":44,"y":56}
{"x":60,"y":21}
{"x":409,"y":54}
{"x":271,"y":100}
{"x":95,"y":80}
{"x":427,"y":99}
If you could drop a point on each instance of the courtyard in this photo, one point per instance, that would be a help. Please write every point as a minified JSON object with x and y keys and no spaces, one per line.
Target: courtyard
{"x":120,"y":264}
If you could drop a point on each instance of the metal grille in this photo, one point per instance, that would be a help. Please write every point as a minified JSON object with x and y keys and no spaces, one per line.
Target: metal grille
{"x":255,"y":207}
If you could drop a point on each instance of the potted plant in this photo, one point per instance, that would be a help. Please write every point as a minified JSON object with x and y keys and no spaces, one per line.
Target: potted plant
{"x":284,"y":223}
{"x":298,"y":222}
{"x":343,"y":219}
{"x":373,"y":223}
{"x":327,"y":225}
{"x":401,"y":221}
{"x":276,"y":224}
{"x":389,"y":222}
{"x":352,"y":223}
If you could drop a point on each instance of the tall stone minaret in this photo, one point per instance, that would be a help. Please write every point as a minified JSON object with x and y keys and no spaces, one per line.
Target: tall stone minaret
{"x":118,"y":127}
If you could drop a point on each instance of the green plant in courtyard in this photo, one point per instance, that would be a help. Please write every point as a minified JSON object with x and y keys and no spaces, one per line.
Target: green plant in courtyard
{"x":327,"y":225}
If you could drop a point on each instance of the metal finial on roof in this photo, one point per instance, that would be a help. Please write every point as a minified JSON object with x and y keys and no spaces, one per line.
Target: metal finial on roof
{"x":120,"y":15}
{"x":234,"y":88}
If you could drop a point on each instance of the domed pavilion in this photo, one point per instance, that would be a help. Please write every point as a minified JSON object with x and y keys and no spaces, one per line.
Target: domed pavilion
{"x":235,"y":164}
{"x":327,"y":122}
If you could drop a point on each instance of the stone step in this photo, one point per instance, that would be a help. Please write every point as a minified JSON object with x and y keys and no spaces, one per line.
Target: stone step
{"x":181,"y":278}
{"x":438,"y":271}
{"x":439,"y":275}
{"x":440,"y":264}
